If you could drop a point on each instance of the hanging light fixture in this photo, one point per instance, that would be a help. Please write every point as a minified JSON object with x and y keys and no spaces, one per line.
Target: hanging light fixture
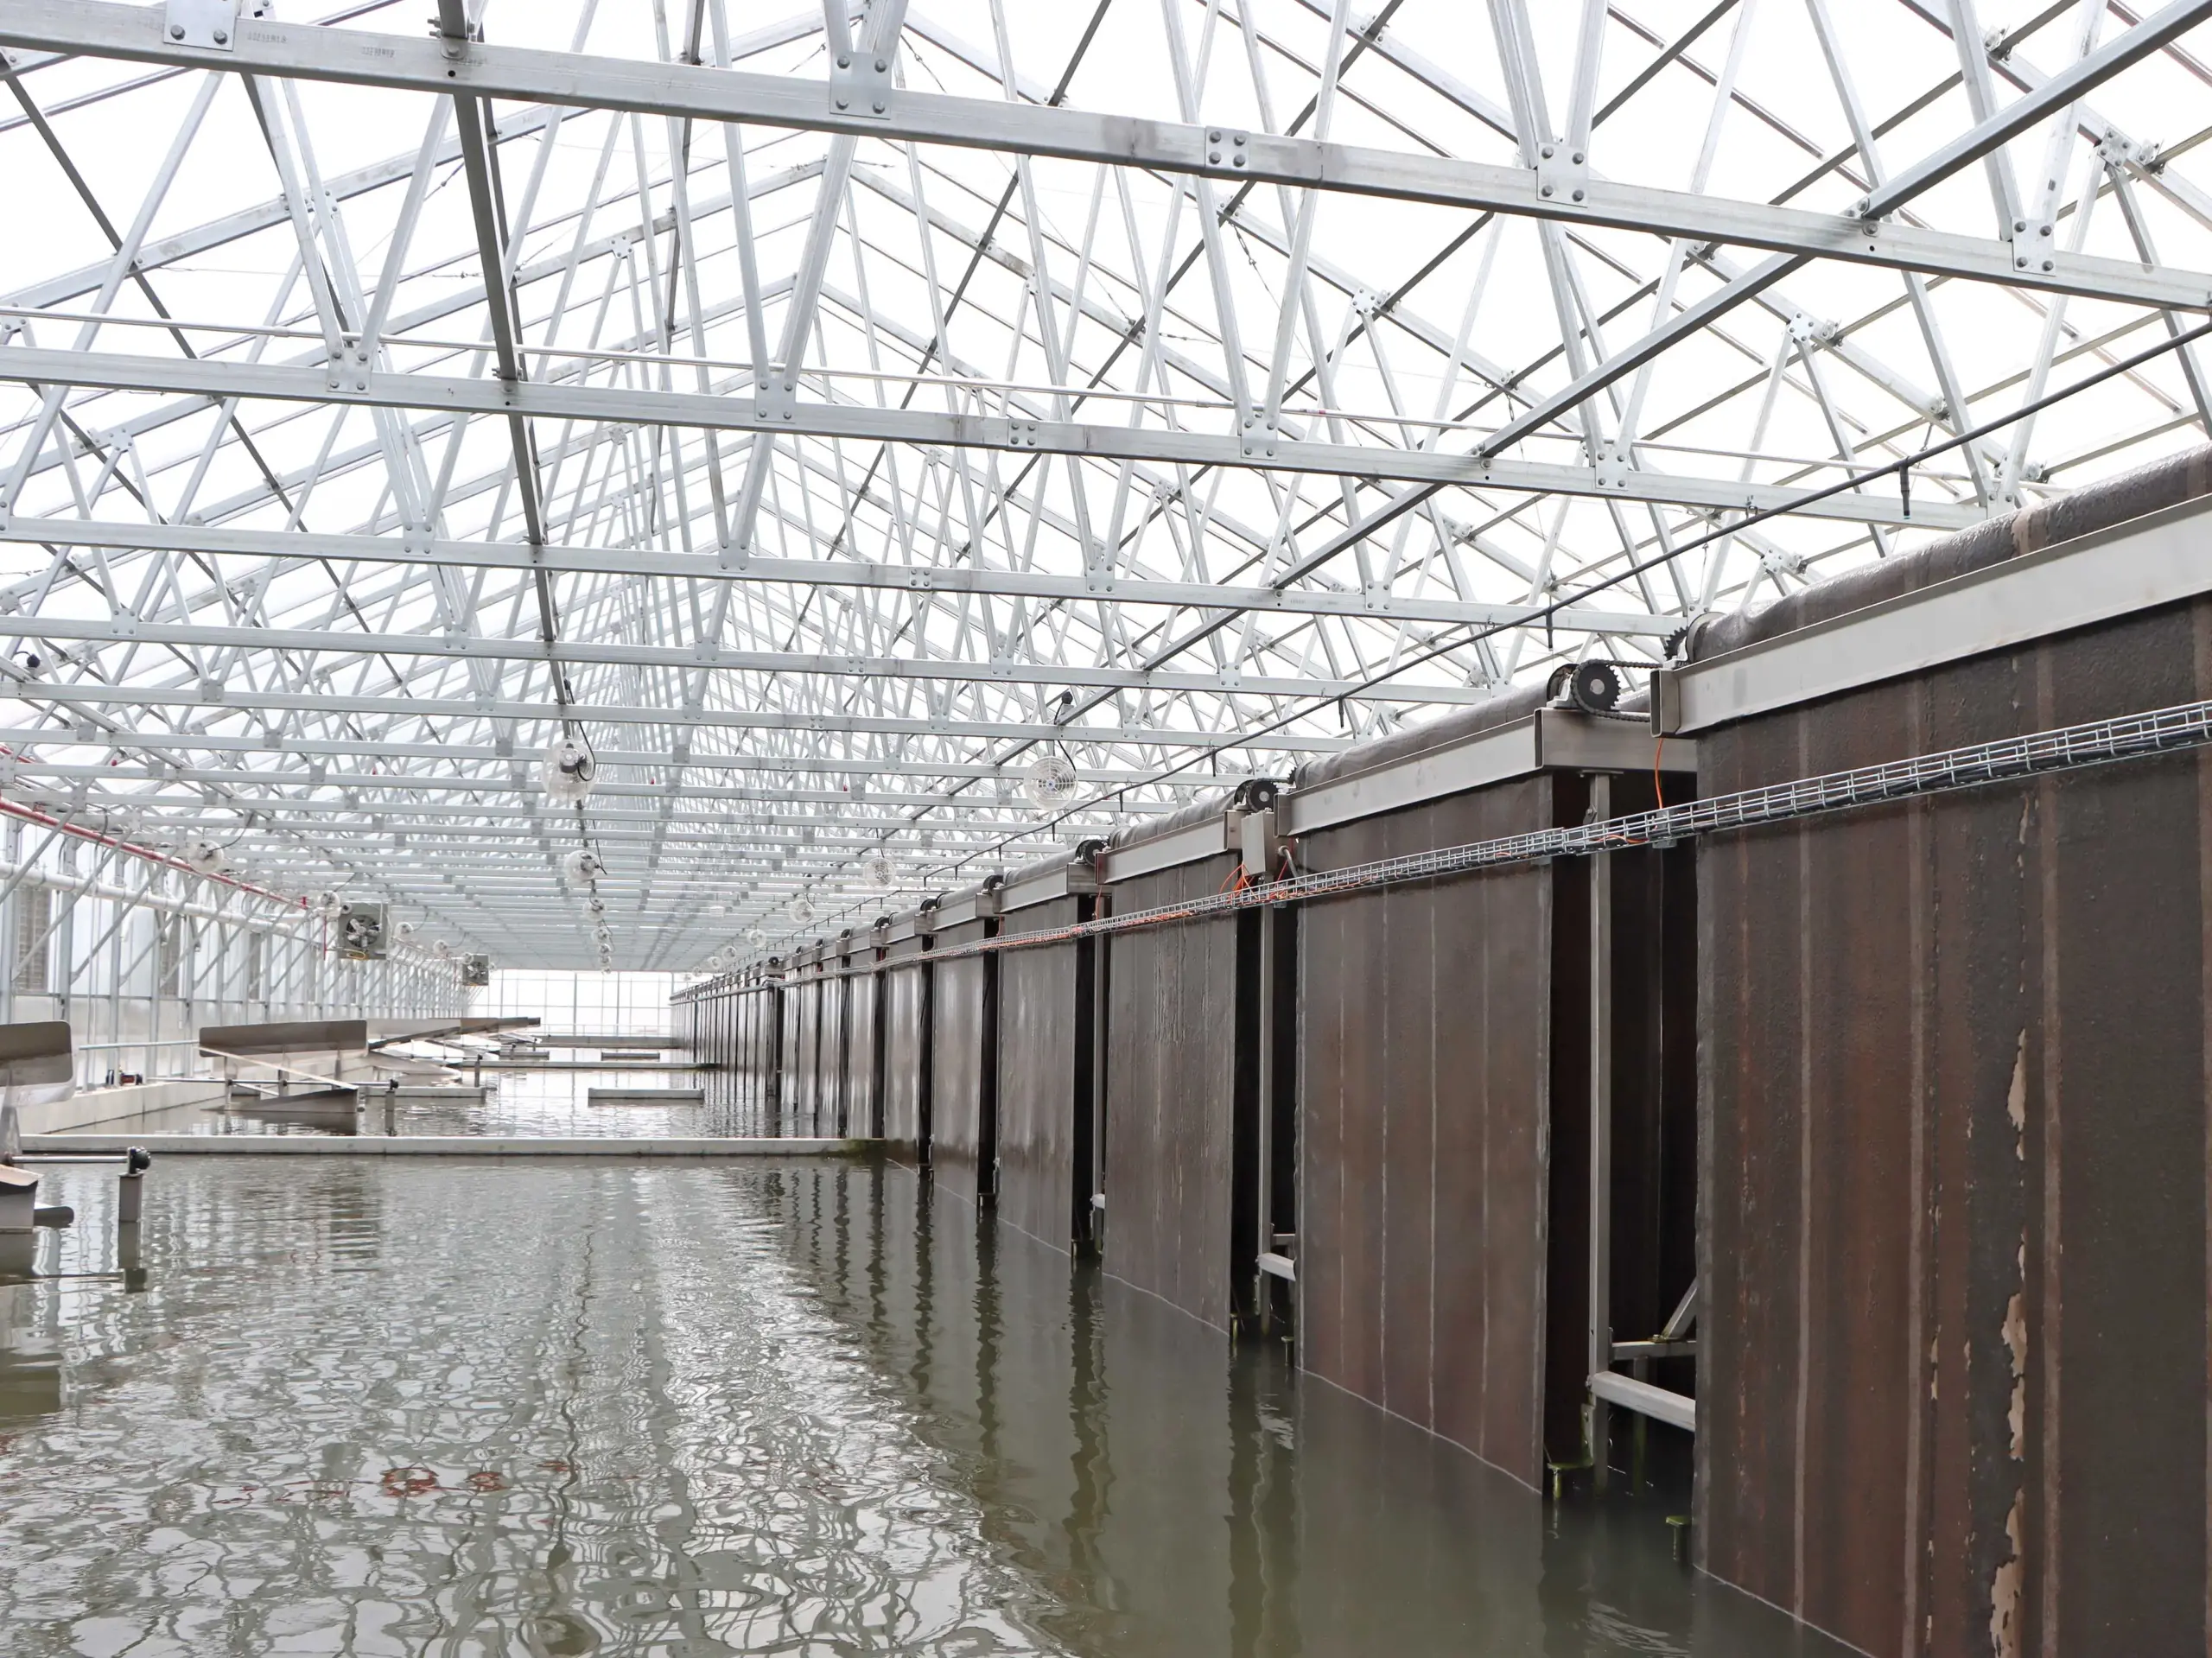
{"x":568,"y":772}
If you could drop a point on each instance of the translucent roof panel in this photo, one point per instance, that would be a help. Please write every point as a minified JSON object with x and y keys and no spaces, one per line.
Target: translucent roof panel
{"x":891,"y":443}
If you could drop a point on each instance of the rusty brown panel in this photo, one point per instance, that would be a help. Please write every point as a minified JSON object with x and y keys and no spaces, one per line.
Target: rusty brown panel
{"x":805,"y":1066}
{"x":1980,"y":1017}
{"x":1359,"y":1227}
{"x":827,"y":1058}
{"x":2117,"y":1255}
{"x":959,"y":1153}
{"x":1170,"y":1096}
{"x":1041,"y":1077}
{"x":1652,"y":1260}
{"x":830,"y":1067}
{"x":1856,"y":1071}
{"x":1324,"y":990}
{"x":1997,"y":1014}
{"x":1423,"y":1030}
{"x":905,"y":993}
{"x":1751,"y":1120}
{"x":798,"y":1054}
{"x":1528,"y":1283}
{"x":860,"y":1080}
{"x":1561,"y":1311}
{"x":1407,"y":1019}
{"x":1463,"y":1113}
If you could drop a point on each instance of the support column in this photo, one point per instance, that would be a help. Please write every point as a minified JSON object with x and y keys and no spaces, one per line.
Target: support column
{"x":1600,"y":1352}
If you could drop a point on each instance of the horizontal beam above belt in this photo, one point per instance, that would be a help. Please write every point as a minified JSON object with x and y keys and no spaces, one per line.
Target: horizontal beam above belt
{"x":362,"y":386}
{"x":267,"y":46}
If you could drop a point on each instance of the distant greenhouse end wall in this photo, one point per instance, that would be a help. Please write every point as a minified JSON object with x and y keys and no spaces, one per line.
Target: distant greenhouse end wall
{"x":580,"y":1004}
{"x":137,"y":954}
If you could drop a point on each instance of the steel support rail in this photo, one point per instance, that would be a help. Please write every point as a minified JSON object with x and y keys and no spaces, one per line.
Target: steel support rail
{"x":266,"y":47}
{"x":419,"y":549}
{"x":216,"y":378}
{"x":708,"y":654}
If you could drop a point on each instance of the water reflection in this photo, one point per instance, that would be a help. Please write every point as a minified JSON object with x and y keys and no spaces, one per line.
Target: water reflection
{"x":558,"y":1409}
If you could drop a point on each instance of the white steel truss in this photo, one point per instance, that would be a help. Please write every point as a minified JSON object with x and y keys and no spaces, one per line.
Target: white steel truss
{"x":824,"y":418}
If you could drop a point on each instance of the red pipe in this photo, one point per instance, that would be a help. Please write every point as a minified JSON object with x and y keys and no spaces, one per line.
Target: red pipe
{"x":30,"y":814}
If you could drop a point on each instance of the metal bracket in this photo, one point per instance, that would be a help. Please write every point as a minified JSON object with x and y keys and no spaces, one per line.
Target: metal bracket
{"x":860,"y":84}
{"x":2035,"y":243}
{"x":208,"y":25}
{"x":1610,"y":463}
{"x":1022,"y":434}
{"x":1260,"y":436}
{"x":1562,"y":174}
{"x":1227,"y":147}
{"x":1809,"y":330}
{"x":2116,"y":151}
{"x":777,"y":399}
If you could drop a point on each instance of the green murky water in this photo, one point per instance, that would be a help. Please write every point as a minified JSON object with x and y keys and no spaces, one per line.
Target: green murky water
{"x":462,"y":1408}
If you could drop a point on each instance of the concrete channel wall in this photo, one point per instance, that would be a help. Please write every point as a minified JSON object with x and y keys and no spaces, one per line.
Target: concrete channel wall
{"x":1937,"y":1152}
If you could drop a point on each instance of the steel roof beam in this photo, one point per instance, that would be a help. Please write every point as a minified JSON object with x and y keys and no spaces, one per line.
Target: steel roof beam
{"x":266,"y":47}
{"x":414,"y":549}
{"x":709,"y":654}
{"x":218,"y":379}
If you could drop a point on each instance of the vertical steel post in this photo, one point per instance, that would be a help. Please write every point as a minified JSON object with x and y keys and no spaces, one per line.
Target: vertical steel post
{"x":1600,"y":1355}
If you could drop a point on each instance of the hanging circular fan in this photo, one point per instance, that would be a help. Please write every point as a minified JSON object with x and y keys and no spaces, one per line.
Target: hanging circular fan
{"x":582,"y":865}
{"x":568,"y":772}
{"x":403,"y":931}
{"x":879,"y":871}
{"x":604,"y":938}
{"x":595,"y":904}
{"x":1052,"y":780}
{"x":756,"y":938}
{"x":802,"y":910}
{"x":441,"y":950}
{"x":714,"y":962}
{"x":328,"y":904}
{"x":207,"y":857}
